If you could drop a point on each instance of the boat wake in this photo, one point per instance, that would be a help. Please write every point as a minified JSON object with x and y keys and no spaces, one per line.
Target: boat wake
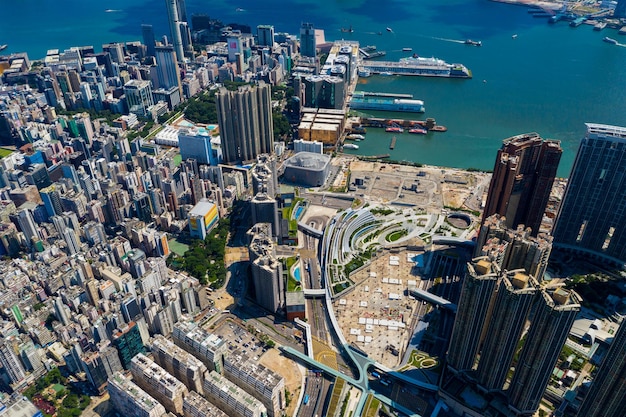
{"x":448,"y":40}
{"x":112,"y":10}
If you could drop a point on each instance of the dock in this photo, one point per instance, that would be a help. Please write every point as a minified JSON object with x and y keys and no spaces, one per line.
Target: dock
{"x":373,"y":157}
{"x":389,"y":95}
{"x":429,"y":124}
{"x":370,"y":52}
{"x":392,"y":145}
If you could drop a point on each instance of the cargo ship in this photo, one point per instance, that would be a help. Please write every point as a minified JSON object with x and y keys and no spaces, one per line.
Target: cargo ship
{"x":428,"y":67}
{"x":386,"y":102}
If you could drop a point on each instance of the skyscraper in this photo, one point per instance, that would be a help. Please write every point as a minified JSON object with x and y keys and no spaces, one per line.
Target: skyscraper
{"x":307,"y":40}
{"x":592,"y":216}
{"x":51,"y":198}
{"x":267,"y":271}
{"x":27,"y":224}
{"x":173,"y":19}
{"x":265,"y":35}
{"x":116,"y":51}
{"x":245,"y":121}
{"x":522,"y":179}
{"x":554,"y":315}
{"x":478,"y":287}
{"x":138,"y":97}
{"x":177,"y":18}
{"x":513,"y":249}
{"x":513,"y":301}
{"x":264,"y":209}
{"x":11,"y":364}
{"x":148,"y":38}
{"x":608,"y":390}
{"x":128,"y":342}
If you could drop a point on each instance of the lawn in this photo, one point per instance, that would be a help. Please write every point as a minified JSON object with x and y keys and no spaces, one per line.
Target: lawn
{"x":421,"y":360}
{"x":392,"y":237}
{"x":5,"y":152}
{"x":370,"y":409}
{"x":177,"y":247}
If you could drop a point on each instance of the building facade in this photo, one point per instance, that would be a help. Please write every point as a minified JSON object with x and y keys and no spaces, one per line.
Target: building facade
{"x":515,"y":296}
{"x":245,"y":121}
{"x":195,"y":405}
{"x":205,"y":346}
{"x":167,"y":68}
{"x":553,"y":316}
{"x":513,"y":248}
{"x":138,"y":97}
{"x":522,"y":179}
{"x":478,"y":287}
{"x":256,"y":380}
{"x":202,"y":219}
{"x":592,"y":216}
{"x":182,"y":365}
{"x":608,"y":390}
{"x":233,"y":400}
{"x":267,"y":271}
{"x":157,"y":382}
{"x":127,"y":341}
{"x":130,"y":400}
{"x":308,"y":45}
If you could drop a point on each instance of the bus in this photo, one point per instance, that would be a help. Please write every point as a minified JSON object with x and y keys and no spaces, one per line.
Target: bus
{"x":306,"y":399}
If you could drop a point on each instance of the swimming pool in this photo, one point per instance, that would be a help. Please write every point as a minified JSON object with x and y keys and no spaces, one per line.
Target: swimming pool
{"x":296,"y":273}
{"x":299,"y":210}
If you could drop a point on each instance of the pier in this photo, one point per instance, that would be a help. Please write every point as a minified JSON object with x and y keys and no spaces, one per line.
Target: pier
{"x":370,"y":52}
{"x":429,"y":124}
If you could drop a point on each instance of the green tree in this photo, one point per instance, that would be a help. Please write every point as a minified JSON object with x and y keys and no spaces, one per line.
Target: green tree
{"x":281,"y":125}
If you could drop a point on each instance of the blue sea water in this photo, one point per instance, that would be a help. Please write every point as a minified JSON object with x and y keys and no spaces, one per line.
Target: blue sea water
{"x":550,"y":79}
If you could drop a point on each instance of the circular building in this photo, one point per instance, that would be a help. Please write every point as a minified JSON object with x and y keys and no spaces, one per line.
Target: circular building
{"x":307,"y":168}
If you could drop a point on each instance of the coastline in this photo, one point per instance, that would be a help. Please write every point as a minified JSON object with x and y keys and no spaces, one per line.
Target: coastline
{"x":533,"y":3}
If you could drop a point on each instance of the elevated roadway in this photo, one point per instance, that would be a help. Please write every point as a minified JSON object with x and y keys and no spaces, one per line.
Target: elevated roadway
{"x":432,"y":298}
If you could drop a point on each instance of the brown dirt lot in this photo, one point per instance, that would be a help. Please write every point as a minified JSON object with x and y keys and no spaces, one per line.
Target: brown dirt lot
{"x":288,"y":369}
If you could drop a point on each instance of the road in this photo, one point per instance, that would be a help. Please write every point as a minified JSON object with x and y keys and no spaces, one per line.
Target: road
{"x":317,"y":388}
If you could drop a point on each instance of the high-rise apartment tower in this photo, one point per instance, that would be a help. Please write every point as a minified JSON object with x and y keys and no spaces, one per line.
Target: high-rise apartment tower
{"x":592,"y":216}
{"x":522,"y":179}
